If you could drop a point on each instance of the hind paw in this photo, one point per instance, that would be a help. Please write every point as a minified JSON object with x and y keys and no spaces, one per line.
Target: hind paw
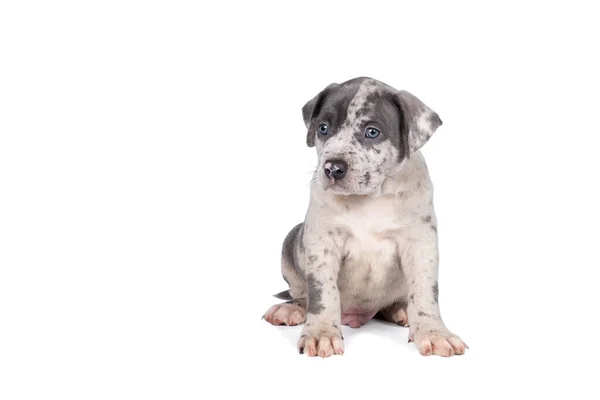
{"x":285,"y":314}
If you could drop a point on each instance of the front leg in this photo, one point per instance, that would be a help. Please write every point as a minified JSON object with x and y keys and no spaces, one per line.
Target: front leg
{"x":322,"y":258}
{"x":427,"y":330}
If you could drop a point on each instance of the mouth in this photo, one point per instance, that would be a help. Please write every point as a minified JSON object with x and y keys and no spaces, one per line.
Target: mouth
{"x":338,"y":187}
{"x":334,"y":186}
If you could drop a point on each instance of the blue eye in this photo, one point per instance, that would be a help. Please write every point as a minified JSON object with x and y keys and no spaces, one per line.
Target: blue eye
{"x":323,"y":129}
{"x":372,"y":133}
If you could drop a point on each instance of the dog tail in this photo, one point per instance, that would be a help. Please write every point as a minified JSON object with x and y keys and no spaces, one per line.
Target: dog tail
{"x":285,"y":295}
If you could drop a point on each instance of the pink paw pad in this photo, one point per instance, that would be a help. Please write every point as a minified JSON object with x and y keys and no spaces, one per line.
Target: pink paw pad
{"x":285,"y":314}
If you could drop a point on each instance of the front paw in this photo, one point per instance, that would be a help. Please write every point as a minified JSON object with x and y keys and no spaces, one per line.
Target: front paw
{"x":321,"y":340}
{"x":438,"y":341}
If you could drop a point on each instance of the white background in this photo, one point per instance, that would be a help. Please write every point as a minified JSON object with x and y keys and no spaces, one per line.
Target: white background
{"x":152,"y":159}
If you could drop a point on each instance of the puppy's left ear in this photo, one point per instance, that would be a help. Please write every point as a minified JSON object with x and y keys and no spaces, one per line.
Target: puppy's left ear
{"x":310,"y":111}
{"x":419,"y":121}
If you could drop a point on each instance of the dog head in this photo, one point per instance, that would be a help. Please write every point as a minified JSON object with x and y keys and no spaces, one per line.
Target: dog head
{"x":363,"y":129}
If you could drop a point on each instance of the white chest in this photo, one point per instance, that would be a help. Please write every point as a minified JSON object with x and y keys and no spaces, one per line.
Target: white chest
{"x":372,"y":229}
{"x":370,"y":223}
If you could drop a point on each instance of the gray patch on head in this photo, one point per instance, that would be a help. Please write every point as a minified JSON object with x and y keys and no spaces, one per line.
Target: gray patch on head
{"x":434,"y":228}
{"x":380,"y":107}
{"x":315,"y":292}
{"x":423,"y":314}
{"x":436,"y":291}
{"x":312,"y":259}
{"x":412,"y":298}
{"x":329,"y":107}
{"x":310,"y":109}
{"x":426,"y":219}
{"x":361,"y":112}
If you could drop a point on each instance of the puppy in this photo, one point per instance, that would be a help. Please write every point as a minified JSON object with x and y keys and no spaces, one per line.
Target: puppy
{"x":368,"y":245}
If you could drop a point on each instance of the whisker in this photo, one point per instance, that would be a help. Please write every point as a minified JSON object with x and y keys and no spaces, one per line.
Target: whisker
{"x":314,"y":168}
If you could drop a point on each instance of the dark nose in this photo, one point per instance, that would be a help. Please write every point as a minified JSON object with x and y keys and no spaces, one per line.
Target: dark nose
{"x":335,"y":169}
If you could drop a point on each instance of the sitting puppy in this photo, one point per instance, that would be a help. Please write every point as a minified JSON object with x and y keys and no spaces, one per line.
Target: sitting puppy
{"x":368,"y":245}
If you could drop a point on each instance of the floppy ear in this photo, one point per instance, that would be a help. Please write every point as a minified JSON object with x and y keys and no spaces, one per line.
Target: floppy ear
{"x":419,"y":122}
{"x":310,"y":111}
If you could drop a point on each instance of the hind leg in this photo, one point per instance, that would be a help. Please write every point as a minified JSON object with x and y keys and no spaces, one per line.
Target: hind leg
{"x":395,"y":313}
{"x":292,"y":312}
{"x":289,"y":313}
